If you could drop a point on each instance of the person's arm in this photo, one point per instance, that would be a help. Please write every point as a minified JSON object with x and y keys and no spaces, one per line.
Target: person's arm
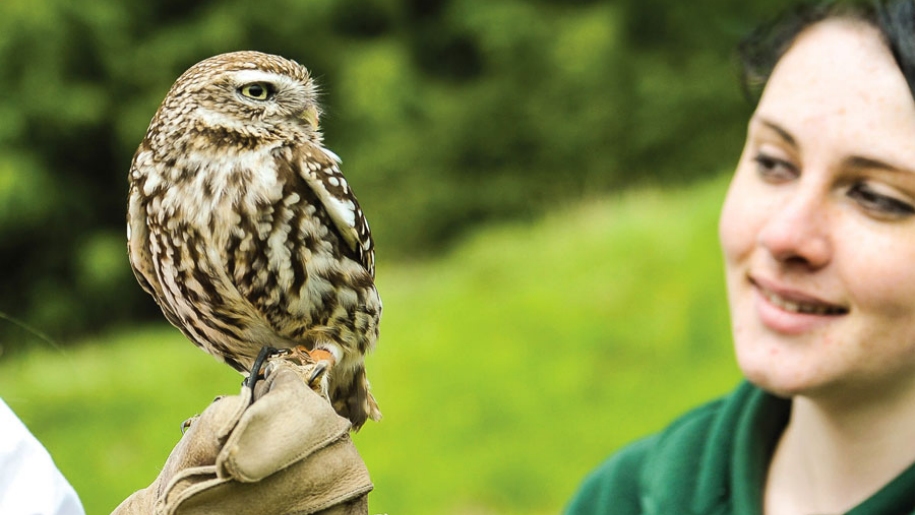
{"x":30,"y":483}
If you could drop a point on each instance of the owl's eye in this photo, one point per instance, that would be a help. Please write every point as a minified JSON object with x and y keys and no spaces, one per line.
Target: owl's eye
{"x":257,"y":90}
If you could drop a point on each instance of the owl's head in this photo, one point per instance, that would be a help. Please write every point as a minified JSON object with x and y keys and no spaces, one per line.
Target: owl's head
{"x":243,"y":96}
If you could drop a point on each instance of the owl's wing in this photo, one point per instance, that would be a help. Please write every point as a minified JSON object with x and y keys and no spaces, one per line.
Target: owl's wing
{"x":138,"y":251}
{"x":321,"y":170}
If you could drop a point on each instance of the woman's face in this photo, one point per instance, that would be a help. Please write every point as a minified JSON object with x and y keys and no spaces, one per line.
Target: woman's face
{"x":818,"y":228}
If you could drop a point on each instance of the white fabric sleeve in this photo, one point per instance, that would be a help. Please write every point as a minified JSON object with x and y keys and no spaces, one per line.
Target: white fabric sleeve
{"x":30,"y":483}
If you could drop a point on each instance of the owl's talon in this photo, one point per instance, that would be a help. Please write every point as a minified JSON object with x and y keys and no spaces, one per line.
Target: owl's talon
{"x":187,"y":424}
{"x":320,"y":370}
{"x":262,"y":356}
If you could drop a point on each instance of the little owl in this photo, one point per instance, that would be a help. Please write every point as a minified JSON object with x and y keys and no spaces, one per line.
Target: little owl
{"x":243,"y":229}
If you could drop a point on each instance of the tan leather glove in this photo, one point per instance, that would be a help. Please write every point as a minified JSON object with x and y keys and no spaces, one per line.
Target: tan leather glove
{"x":284,"y":452}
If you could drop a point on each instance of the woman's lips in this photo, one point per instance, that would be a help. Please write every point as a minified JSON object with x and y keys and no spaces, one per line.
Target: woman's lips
{"x":794,"y":300}
{"x":791,"y":311}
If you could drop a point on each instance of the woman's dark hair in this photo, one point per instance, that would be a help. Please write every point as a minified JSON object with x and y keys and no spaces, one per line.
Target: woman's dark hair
{"x":759,"y":52}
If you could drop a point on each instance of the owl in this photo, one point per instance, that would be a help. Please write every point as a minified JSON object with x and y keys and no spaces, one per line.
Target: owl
{"x":243,"y":229}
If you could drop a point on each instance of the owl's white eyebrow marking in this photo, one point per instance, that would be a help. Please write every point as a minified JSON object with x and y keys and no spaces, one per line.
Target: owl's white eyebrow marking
{"x":249,"y":76}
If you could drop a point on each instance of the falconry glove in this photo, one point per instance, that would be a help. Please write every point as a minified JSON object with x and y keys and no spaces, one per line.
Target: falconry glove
{"x":281,"y":449}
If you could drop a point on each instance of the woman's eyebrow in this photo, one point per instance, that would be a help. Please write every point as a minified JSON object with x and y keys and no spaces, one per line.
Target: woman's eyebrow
{"x":870,"y":163}
{"x":785,"y":135}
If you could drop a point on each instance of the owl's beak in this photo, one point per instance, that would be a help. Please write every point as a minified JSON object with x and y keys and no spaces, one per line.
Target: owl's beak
{"x":310,"y":116}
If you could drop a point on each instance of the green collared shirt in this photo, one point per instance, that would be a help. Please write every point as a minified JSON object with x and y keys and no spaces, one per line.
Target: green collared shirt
{"x":712,"y":461}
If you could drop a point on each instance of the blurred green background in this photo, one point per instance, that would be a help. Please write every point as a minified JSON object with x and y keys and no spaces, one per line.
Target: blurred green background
{"x":542,"y":178}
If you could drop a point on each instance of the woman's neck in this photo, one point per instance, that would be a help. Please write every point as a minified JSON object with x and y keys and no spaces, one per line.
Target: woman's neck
{"x":834,"y":455}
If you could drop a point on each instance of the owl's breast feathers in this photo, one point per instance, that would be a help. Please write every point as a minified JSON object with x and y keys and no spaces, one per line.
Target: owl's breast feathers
{"x":258,"y":245}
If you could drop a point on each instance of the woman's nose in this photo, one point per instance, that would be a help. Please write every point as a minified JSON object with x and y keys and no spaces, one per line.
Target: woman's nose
{"x":797,"y":229}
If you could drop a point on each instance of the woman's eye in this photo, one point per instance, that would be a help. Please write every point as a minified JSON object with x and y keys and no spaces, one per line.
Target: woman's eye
{"x":772,"y":168}
{"x":257,"y":90}
{"x":878,"y":202}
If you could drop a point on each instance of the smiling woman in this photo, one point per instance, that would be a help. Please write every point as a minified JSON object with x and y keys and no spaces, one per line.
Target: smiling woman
{"x":817,"y":228}
{"x":818,"y":235}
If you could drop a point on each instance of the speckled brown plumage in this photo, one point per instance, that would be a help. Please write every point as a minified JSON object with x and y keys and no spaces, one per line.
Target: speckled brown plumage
{"x":243,"y":228}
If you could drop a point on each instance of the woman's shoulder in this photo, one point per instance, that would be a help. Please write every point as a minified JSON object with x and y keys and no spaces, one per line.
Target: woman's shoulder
{"x":662,"y":469}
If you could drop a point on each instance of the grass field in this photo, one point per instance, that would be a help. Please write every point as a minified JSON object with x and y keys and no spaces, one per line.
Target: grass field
{"x":506,"y":369}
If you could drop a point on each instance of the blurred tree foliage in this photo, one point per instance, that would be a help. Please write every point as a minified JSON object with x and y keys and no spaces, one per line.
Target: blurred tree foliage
{"x":447,"y":113}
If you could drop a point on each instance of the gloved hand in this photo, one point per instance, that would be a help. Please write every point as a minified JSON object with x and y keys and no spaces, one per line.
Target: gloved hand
{"x":283,"y":451}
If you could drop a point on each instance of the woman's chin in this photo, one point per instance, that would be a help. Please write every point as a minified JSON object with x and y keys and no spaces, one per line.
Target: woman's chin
{"x":779,"y":379}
